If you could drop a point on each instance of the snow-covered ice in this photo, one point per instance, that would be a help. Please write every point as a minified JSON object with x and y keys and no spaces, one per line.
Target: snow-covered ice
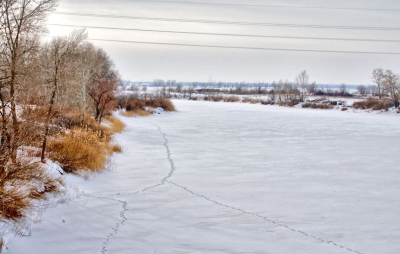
{"x":237,"y":178}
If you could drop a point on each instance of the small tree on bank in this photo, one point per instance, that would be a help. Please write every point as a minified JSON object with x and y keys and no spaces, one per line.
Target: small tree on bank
{"x":391,"y":83}
{"x":378,"y":77}
{"x":103,"y":96}
{"x":303,"y":81}
{"x":57,"y":57}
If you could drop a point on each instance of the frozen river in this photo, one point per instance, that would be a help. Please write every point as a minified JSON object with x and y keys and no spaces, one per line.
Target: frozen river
{"x":237,"y":178}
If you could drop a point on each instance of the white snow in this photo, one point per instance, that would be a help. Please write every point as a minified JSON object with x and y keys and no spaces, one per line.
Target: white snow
{"x":237,"y":178}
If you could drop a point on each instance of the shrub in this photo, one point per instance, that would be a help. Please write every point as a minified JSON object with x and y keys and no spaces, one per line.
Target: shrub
{"x":373,"y":104}
{"x":160,"y":103}
{"x":293,"y":103}
{"x":217,"y":98}
{"x":344,"y":109}
{"x":135,"y":104}
{"x":20,"y":184}
{"x":80,"y":150}
{"x":77,"y":119}
{"x":268,"y":102}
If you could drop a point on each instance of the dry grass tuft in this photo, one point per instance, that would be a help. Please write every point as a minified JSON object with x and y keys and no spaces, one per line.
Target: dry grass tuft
{"x":22,"y":183}
{"x":80,"y":150}
{"x":117,"y":126}
{"x":217,"y":98}
{"x":160,"y":103}
{"x":141,"y":112}
{"x":128,"y":113}
{"x":344,"y":109}
{"x":232,"y":98}
{"x":373,"y":104}
{"x":116,"y":149}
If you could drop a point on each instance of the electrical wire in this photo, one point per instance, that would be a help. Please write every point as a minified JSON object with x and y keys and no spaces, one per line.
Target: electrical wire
{"x":229,"y":22}
{"x":248,"y":48}
{"x":228,"y":34}
{"x":270,"y":6}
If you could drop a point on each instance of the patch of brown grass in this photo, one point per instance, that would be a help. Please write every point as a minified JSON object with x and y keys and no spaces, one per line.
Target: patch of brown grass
{"x":116,"y":149}
{"x":217,"y":98}
{"x":117,"y":126}
{"x":128,"y":114}
{"x":80,"y":150}
{"x":160,"y":103}
{"x":373,"y":104}
{"x":20,"y":184}
{"x":141,"y":112}
{"x":231,"y":98}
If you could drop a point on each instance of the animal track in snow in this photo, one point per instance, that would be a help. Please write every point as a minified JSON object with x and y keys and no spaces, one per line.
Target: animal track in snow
{"x":173,"y":169}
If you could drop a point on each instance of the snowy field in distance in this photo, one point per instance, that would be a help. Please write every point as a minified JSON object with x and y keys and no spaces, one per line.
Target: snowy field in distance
{"x":238,"y":178}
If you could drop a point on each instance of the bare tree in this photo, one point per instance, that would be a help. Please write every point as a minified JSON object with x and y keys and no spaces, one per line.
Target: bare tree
{"x":21,"y":24}
{"x":312,"y":88}
{"x":391,"y":84}
{"x":303,"y":81}
{"x":378,"y":77}
{"x":343,"y":90}
{"x":103,"y":98}
{"x":57,"y":56}
{"x":362,"y":90}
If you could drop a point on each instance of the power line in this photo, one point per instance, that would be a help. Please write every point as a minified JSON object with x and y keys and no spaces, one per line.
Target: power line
{"x":243,"y":23}
{"x":249,"y":48}
{"x":269,"y":6}
{"x":227,"y":34}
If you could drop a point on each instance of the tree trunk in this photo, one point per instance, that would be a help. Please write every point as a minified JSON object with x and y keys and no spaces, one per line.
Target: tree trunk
{"x":15,"y":125}
{"x":47,"y":126}
{"x":379,"y":92}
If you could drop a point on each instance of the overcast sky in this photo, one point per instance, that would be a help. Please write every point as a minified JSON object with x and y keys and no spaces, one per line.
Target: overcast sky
{"x":140,"y":62}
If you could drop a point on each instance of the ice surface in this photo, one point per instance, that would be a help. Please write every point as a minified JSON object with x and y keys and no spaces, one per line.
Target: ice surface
{"x":237,"y":178}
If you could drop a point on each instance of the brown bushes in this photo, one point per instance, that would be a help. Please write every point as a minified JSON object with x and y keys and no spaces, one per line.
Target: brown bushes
{"x":344,"y":109}
{"x":135,"y":104}
{"x":20,"y":184}
{"x":216,"y":98}
{"x":317,"y":106}
{"x":160,"y":103}
{"x":373,"y":104}
{"x":80,"y":150}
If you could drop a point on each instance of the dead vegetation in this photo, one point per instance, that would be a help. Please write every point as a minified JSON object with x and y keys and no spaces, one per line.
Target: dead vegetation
{"x":22,"y":183}
{"x":133,"y":103}
{"x":214,"y":98}
{"x":80,"y":149}
{"x":232,"y":98}
{"x":317,"y":106}
{"x":374,"y":104}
